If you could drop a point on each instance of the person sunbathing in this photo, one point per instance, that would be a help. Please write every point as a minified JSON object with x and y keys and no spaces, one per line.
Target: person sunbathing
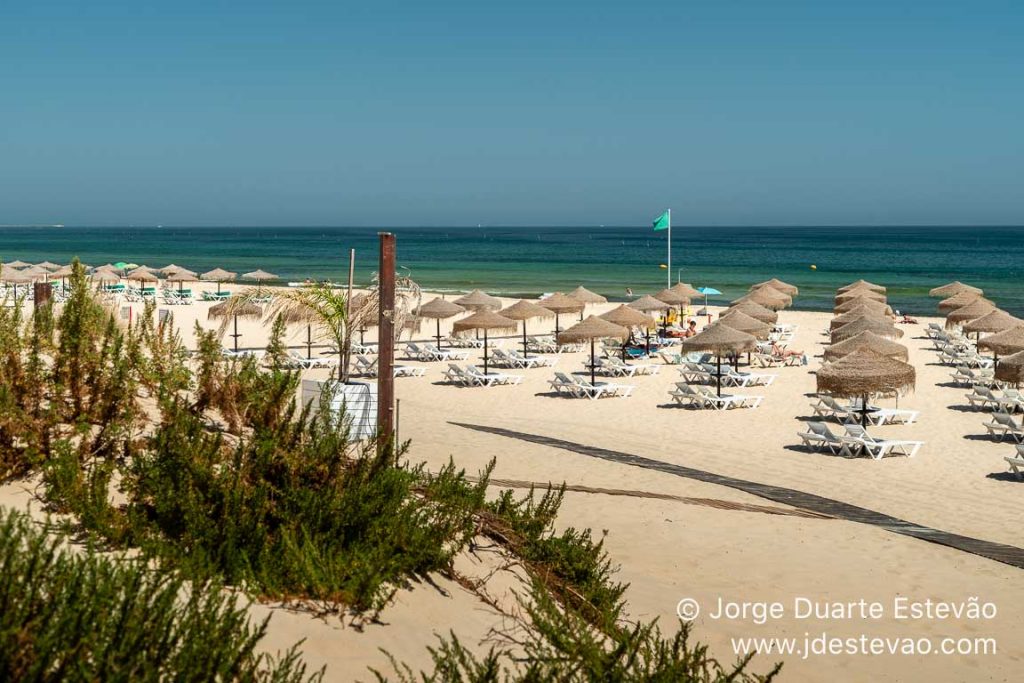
{"x":785,"y":354}
{"x":905,"y":319}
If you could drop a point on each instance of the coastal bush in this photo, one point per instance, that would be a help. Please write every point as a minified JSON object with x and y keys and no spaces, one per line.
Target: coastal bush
{"x":67,"y":616}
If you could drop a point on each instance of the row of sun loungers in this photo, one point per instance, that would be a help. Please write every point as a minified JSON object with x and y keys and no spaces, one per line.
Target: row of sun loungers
{"x":471,"y":376}
{"x":706,"y":373}
{"x":577,"y":387}
{"x":828,"y":407}
{"x":1005,"y":401}
{"x":854,"y":441}
{"x":703,"y":397}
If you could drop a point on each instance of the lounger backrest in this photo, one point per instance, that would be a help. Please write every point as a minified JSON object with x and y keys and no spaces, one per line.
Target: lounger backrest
{"x":858,"y":432}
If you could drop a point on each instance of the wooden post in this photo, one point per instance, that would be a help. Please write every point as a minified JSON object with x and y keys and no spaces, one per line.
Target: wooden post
{"x":345,"y":352}
{"x":386,"y":342}
{"x":42,"y":292}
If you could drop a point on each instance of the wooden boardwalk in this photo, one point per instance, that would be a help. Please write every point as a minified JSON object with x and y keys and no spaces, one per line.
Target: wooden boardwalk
{"x":999,"y":552}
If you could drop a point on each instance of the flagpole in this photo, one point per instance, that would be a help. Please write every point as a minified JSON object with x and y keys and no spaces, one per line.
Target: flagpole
{"x":669,"y":212}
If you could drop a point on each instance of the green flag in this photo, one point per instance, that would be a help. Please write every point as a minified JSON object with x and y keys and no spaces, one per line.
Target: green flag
{"x":662,"y":222}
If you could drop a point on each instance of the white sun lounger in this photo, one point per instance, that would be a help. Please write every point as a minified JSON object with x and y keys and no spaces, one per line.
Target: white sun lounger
{"x":492,"y":378}
{"x":1003,"y":425}
{"x":819,"y":436}
{"x":1017,"y":462}
{"x":857,"y":439}
{"x":602,"y":389}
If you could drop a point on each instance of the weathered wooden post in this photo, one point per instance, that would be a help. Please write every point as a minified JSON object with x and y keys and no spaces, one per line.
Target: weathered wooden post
{"x":42,"y":293}
{"x":386,"y":342}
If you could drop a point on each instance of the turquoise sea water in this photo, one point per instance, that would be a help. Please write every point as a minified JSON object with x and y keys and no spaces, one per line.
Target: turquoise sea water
{"x":529,"y":261}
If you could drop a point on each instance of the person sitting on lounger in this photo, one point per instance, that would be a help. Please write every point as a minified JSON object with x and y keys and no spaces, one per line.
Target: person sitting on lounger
{"x":786,"y":354}
{"x":905,"y":319}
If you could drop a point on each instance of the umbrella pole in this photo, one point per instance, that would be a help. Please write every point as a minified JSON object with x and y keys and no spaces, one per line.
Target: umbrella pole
{"x":648,"y":336}
{"x":309,"y":341}
{"x":719,"y":377}
{"x":485,"y":350}
{"x":593,"y":363}
{"x":556,"y":324}
{"x":235,"y":335}
{"x":864,"y":411}
{"x":525,"y":354}
{"x":438,"y":333}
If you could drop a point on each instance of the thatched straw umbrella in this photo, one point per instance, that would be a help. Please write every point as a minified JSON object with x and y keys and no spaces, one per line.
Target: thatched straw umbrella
{"x":171,"y":269}
{"x":298,"y":315}
{"x":235,"y":308}
{"x":1004,"y":343}
{"x":955,"y":287}
{"x":439,"y":310}
{"x":524,"y":310}
{"x":48,"y":265}
{"x":959,"y":301}
{"x":35,"y":272}
{"x":259,"y":276}
{"x":856,"y":314}
{"x":142,"y":276}
{"x":687,"y":290}
{"x":769,"y":297}
{"x":870,"y":341}
{"x":478,"y":301}
{"x":592,"y":329}
{"x":738,"y":320}
{"x":103,"y":277}
{"x":777,"y":284}
{"x":995,"y":321}
{"x":182,"y":275}
{"x":975,"y":309}
{"x":863,"y":373}
{"x":862,"y":284}
{"x":757,"y":311}
{"x":630,"y":317}
{"x":15,"y":277}
{"x":559,"y":303}
{"x":64,"y":272}
{"x":584,"y":295}
{"x":875,"y":305}
{"x":882,"y":328}
{"x":718,"y":338}
{"x":843,"y":297}
{"x":648,"y":304}
{"x":484,"y":320}
{"x":671,"y":296}
{"x":18,"y":264}
{"x":1011,"y":369}
{"x":220,"y":275}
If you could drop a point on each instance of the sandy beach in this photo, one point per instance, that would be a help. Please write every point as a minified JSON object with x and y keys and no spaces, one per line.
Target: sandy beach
{"x":675,"y":536}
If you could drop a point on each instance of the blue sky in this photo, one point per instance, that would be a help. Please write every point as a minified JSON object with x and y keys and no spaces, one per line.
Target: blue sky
{"x":511,"y":113}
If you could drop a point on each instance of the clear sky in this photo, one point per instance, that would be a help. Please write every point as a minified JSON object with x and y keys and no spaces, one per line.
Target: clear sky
{"x":511,"y":113}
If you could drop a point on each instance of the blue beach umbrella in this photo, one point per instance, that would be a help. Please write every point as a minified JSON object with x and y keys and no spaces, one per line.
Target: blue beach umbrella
{"x":707,"y":291}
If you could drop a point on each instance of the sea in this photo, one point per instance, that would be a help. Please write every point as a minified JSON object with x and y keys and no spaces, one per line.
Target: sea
{"x":614,"y":261}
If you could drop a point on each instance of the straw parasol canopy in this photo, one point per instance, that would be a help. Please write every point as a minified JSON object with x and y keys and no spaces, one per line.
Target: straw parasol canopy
{"x":856,"y":314}
{"x":648,"y":304}
{"x":1011,"y":369}
{"x":1004,"y":343}
{"x":218,"y":274}
{"x":870,"y":341}
{"x":959,"y":301}
{"x":171,"y":269}
{"x":18,"y":264}
{"x":975,"y":309}
{"x":524,"y":310}
{"x":883,"y":328}
{"x":561,"y":303}
{"x":862,"y":284}
{"x":994,"y":321}
{"x":479,"y":301}
{"x":754,"y":310}
{"x":104,"y":276}
{"x":35,"y":272}
{"x":718,"y":338}
{"x":234,"y":308}
{"x":768,"y":297}
{"x":843,"y":297}
{"x":439,"y":309}
{"x":671,"y":296}
{"x":583,"y":294}
{"x":686,"y":289}
{"x":777,"y":284}
{"x":953,"y":288}
{"x":63,"y":271}
{"x":872,"y":304}
{"x":484,"y":320}
{"x":259,"y":275}
{"x":744,"y":323}
{"x":864,"y":372}
{"x":48,"y":265}
{"x":16,"y":277}
{"x":628,"y":317}
{"x":182,"y":275}
{"x":140,"y":275}
{"x":592,"y":329}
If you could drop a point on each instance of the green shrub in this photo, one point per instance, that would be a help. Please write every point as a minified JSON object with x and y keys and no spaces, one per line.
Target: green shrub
{"x":68,"y":616}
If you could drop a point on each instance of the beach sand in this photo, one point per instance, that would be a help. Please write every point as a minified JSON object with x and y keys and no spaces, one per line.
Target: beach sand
{"x":708,"y":541}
